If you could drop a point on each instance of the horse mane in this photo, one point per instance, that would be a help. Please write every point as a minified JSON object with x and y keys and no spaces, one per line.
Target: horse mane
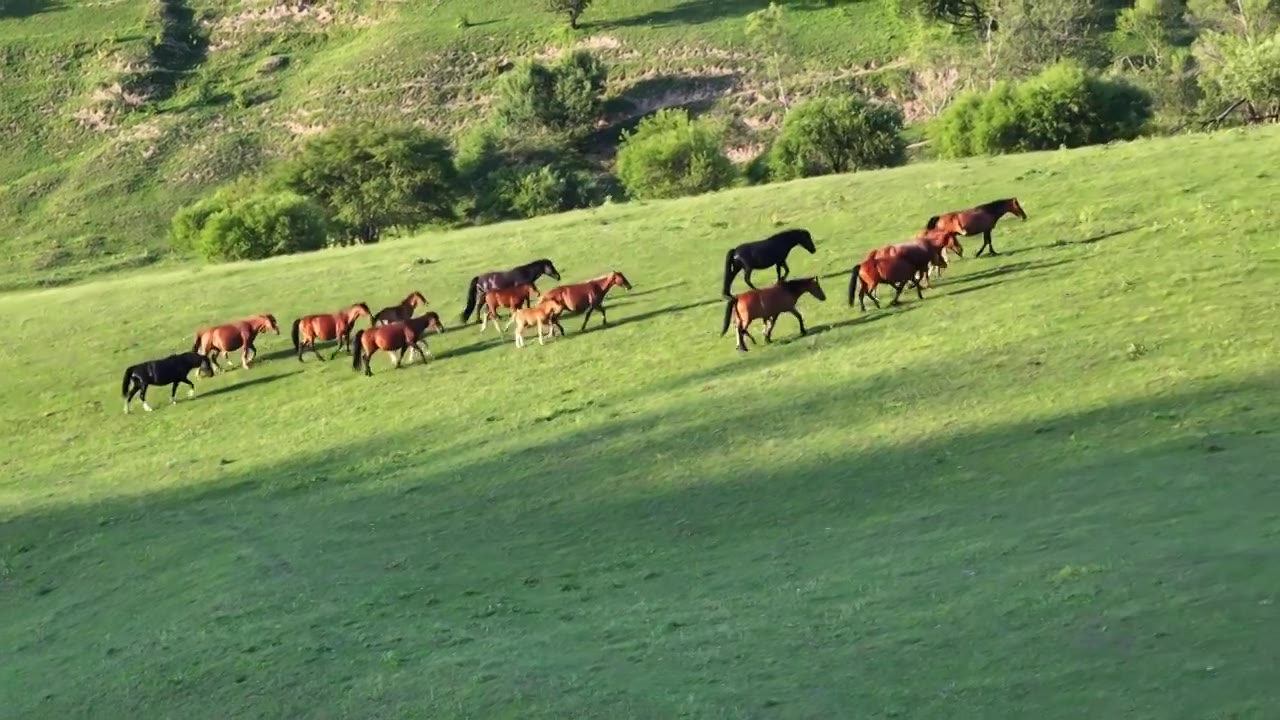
{"x":995,"y":205}
{"x":795,"y":285}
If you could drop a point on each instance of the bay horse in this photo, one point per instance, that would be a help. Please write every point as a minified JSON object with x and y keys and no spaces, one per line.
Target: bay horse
{"x":422,"y":325}
{"x":546,"y":312}
{"x":588,"y":295}
{"x":393,"y":338}
{"x":768,"y":304}
{"x":942,"y":239}
{"x":760,"y":254}
{"x":173,"y":369}
{"x":512,"y":298}
{"x":498,"y":279}
{"x":401,"y":312}
{"x":897,"y":270}
{"x":308,"y":329}
{"x":237,"y":335}
{"x":980,"y":219}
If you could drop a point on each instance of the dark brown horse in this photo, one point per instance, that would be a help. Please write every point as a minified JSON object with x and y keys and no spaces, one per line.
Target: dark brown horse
{"x":393,"y":338}
{"x":760,"y":254}
{"x":897,"y":270}
{"x":513,"y":298}
{"x":423,"y":324}
{"x":767,"y":304}
{"x":588,"y":296}
{"x":401,"y":312}
{"x":941,"y":239}
{"x":981,"y":219}
{"x":308,"y":329}
{"x":523,"y":275}
{"x":238,"y":335}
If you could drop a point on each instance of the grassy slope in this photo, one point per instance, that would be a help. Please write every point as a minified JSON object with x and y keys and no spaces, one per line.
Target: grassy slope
{"x":87,"y":185}
{"x":1047,"y":490}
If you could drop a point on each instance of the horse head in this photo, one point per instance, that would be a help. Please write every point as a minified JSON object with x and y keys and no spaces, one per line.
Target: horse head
{"x":814,"y":288}
{"x":357,"y":311}
{"x":549,"y":268}
{"x":806,"y":242}
{"x":269,"y":321}
{"x":1015,"y":208}
{"x":416,"y":298}
{"x":617,"y":278}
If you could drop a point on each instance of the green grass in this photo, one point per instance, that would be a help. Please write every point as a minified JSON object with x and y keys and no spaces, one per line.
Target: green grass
{"x":1046,"y":490}
{"x":89,"y":181}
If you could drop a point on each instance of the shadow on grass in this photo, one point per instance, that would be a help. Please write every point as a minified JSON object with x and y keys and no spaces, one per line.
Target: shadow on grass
{"x":251,"y":383}
{"x":16,"y":9}
{"x":688,"y":12}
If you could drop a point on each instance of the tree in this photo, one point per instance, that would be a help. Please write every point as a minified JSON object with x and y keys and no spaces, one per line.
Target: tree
{"x":765,"y":28}
{"x":1022,"y":36}
{"x":966,"y":14}
{"x":562,"y":99}
{"x":837,"y":135}
{"x":571,"y":8}
{"x":1238,"y":53}
{"x":369,"y":179}
{"x":226,"y":226}
{"x":670,"y":155}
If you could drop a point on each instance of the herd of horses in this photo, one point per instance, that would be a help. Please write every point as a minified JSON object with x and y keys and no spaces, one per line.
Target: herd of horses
{"x":396,"y":330}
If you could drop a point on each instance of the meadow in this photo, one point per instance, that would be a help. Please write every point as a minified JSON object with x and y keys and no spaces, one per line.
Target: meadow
{"x":1046,"y":490}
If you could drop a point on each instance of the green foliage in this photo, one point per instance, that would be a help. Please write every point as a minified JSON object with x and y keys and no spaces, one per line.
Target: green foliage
{"x":1062,"y":106}
{"x":670,"y":155}
{"x":767,"y":30}
{"x":1031,"y":34}
{"x":1236,"y":68}
{"x":561,"y":99}
{"x":510,"y":178}
{"x":837,"y":135}
{"x":967,"y":14}
{"x":225,"y":227}
{"x":571,"y":9}
{"x":369,"y":179}
{"x":1149,"y":46}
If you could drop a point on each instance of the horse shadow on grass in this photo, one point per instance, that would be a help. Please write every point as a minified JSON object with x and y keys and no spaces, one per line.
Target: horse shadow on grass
{"x":689,"y":12}
{"x":261,"y":380}
{"x":1003,"y":270}
{"x":1091,"y":240}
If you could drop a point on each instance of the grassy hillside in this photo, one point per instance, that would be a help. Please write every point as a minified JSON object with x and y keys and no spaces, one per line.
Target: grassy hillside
{"x":1047,"y":490}
{"x":117,"y":113}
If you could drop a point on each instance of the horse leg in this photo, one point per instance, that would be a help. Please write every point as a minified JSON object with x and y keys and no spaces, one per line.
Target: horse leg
{"x":143,"y":396}
{"x":366,"y":357}
{"x":741,"y":346}
{"x":986,"y":240}
{"x":800,"y":320}
{"x":135,"y":385}
{"x":590,"y":309}
{"x":746,"y":275}
{"x":540,"y":340}
{"x":192,"y":391}
{"x":897,"y":292}
{"x":425,"y":352}
{"x":768,"y":328}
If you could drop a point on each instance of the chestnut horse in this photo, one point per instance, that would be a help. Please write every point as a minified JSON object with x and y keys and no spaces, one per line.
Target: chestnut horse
{"x":512,"y":298}
{"x":588,"y":295}
{"x":981,"y":219}
{"x":238,"y":335}
{"x":546,"y":312}
{"x":401,"y":312}
{"x":498,"y":279}
{"x":768,"y":304}
{"x":897,"y":270}
{"x":758,"y":255}
{"x":943,"y":240}
{"x":393,"y":338}
{"x":336,"y":326}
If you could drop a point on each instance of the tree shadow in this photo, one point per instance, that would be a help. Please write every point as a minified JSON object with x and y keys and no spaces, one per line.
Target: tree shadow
{"x":17,"y":9}
{"x":689,"y":12}
{"x":261,"y":380}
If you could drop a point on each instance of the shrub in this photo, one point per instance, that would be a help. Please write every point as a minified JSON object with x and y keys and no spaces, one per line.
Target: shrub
{"x":669,"y":155}
{"x":222,"y":228}
{"x":1062,"y":106}
{"x":571,"y":9}
{"x":562,"y":99}
{"x":370,"y":179}
{"x":511,"y":178}
{"x":837,"y":135}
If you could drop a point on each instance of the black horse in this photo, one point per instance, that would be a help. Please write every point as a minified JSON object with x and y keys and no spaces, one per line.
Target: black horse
{"x":498,"y":280}
{"x":761,"y":254}
{"x":173,"y":369}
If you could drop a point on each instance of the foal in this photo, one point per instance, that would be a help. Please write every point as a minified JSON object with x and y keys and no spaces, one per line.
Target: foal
{"x":768,"y":304}
{"x":512,"y":298}
{"x":173,"y":369}
{"x":546,"y":312}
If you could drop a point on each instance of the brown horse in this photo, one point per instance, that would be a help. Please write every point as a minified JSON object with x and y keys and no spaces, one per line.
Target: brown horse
{"x":981,"y":219}
{"x":237,"y":335}
{"x":897,"y":270}
{"x":308,"y":329}
{"x":588,"y":295}
{"x":767,"y":304}
{"x":401,"y":312}
{"x":393,"y":338}
{"x":546,"y":312}
{"x":422,"y":325}
{"x":512,"y":298}
{"x":944,"y":240}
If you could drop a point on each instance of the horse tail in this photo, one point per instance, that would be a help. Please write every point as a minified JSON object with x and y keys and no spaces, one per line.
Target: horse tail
{"x":728,"y":315}
{"x":124,"y":388}
{"x":357,"y":350}
{"x":853,"y":284}
{"x":472,"y":289}
{"x":730,"y":269}
{"x":293,"y":334}
{"x":933,"y":222}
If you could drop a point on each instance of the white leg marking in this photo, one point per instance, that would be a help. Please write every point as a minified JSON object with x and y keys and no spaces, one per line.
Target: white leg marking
{"x":126,"y":408}
{"x":145,"y":406}
{"x":191,"y":393}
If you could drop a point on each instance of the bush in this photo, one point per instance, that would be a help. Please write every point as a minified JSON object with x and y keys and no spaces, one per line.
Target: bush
{"x":669,"y":155}
{"x":561,"y":99}
{"x":1062,"y":106}
{"x":223,"y":229}
{"x":519,"y":178}
{"x":837,"y":135}
{"x":370,"y":179}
